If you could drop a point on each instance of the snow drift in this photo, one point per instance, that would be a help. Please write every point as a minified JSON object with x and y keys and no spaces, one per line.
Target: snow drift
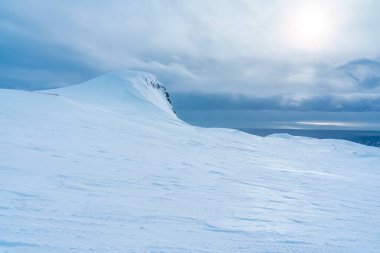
{"x":106,"y":166}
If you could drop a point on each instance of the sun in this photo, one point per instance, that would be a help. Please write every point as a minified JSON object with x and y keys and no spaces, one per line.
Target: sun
{"x":309,"y":26}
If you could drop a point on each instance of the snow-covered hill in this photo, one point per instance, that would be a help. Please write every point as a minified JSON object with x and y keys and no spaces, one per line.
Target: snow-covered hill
{"x":106,"y":166}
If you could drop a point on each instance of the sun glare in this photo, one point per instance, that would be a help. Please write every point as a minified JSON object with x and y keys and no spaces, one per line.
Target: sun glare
{"x":309,"y":27}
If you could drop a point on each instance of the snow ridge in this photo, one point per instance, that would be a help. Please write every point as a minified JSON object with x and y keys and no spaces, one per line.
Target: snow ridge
{"x":136,"y":90}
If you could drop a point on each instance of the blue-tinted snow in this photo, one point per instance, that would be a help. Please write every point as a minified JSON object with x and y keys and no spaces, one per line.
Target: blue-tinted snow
{"x":106,"y":166}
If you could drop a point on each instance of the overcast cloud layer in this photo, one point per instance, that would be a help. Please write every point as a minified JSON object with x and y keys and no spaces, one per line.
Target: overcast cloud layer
{"x":213,"y":55}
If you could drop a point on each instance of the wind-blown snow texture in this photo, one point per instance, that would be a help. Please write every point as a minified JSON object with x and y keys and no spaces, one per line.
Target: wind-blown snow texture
{"x":106,"y":166}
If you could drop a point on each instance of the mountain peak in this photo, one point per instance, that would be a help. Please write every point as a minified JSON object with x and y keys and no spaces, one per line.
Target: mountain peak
{"x":134,"y":90}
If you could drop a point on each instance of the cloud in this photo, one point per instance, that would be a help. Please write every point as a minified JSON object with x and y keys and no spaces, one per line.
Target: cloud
{"x":333,"y":103}
{"x":365,"y":73}
{"x":195,"y":48}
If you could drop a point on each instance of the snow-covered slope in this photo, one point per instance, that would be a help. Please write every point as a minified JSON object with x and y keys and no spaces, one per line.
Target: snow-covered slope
{"x":106,"y":166}
{"x":139,"y":92}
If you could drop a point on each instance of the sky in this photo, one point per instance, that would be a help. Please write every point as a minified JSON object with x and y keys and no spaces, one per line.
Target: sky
{"x":237,"y":63}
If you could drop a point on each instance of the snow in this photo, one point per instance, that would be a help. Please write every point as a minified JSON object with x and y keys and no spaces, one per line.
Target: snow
{"x":106,"y":166}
